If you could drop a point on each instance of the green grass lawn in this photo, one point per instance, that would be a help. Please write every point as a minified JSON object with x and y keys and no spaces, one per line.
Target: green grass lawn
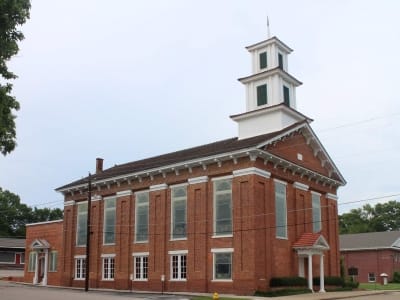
{"x":378,"y":286}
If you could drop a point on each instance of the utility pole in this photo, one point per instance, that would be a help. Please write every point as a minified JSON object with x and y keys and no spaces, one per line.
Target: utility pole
{"x":87,"y":272}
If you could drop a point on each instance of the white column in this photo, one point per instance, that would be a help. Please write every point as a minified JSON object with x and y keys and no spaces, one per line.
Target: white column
{"x":36,"y":277}
{"x":301,"y":267}
{"x":310,"y":276}
{"x":321,"y":274}
{"x":46,"y":264}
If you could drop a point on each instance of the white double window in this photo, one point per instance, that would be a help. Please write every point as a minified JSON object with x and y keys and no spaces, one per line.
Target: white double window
{"x":80,"y":267}
{"x":316,"y":211}
{"x":140,"y":266}
{"x":280,"y":209}
{"x":81,"y":224}
{"x":142,"y":217}
{"x":178,"y":212}
{"x":109,"y":221}
{"x":223,"y":207}
{"x":108,"y":266}
{"x":178,"y":264}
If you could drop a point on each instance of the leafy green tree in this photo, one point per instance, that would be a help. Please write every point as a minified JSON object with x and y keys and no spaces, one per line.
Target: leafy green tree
{"x":13,"y":13}
{"x":381,"y":217}
{"x":14,"y":215}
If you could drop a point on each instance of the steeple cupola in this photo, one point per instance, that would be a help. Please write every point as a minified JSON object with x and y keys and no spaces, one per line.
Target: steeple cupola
{"x":270,"y":91}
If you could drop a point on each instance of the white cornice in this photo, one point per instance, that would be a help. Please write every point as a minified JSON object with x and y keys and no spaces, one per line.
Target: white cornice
{"x":196,"y":180}
{"x":44,"y":223}
{"x":332,"y":196}
{"x":251,"y":171}
{"x":300,"y":186}
{"x":316,"y":193}
{"x":222,"y":178}
{"x":158,"y":187}
{"x":221,"y":250}
{"x":96,"y":198}
{"x":69,"y":203}
{"x":173,"y":252}
{"x":124,"y":193}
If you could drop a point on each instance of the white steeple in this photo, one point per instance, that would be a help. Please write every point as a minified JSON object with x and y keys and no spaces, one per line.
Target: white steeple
{"x":270,"y":90}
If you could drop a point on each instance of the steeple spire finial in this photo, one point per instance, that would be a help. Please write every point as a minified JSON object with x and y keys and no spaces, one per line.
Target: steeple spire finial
{"x":268,"y":30}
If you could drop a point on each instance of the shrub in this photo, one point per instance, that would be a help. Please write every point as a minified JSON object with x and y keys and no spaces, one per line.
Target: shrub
{"x":396,"y":277}
{"x":351,"y":284}
{"x":330,"y":280}
{"x":287,"y":281}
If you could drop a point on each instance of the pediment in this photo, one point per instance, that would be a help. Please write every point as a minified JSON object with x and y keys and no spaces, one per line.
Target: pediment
{"x":301,"y":146}
{"x":40,"y":244}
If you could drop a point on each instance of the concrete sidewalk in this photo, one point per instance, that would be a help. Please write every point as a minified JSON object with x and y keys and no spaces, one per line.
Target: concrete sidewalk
{"x":325,"y":296}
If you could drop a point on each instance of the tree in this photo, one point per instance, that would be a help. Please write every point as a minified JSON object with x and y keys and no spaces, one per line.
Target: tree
{"x":381,"y":217}
{"x":13,"y":13}
{"x":14,"y":215}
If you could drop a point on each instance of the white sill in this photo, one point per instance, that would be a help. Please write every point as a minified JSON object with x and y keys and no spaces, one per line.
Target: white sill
{"x":111,"y":244}
{"x":140,"y":242}
{"x":104,"y":279}
{"x":79,"y":279}
{"x":178,"y":239}
{"x":222,"y":280}
{"x":281,"y":238}
{"x":179,"y":280}
{"x":140,"y":280}
{"x":222,"y":236}
{"x":80,"y":246}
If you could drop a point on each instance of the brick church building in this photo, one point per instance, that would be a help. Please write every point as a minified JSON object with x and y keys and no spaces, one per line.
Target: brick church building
{"x":225,"y":216}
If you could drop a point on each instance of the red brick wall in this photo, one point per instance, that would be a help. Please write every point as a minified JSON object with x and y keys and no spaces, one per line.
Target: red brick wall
{"x":52,"y":232}
{"x":372,"y":261}
{"x":258,"y":255}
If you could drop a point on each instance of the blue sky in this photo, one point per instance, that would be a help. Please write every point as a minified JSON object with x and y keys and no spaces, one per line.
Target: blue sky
{"x":141,"y":78}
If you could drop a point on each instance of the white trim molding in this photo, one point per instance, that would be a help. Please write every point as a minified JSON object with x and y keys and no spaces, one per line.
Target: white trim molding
{"x":196,"y":180}
{"x":301,"y":186}
{"x":332,"y":196}
{"x":96,"y":198}
{"x":80,"y":256}
{"x":222,"y":178}
{"x":221,"y":250}
{"x":158,"y":187}
{"x":107,"y":255}
{"x":316,"y":193}
{"x":178,"y":185}
{"x":140,"y":253}
{"x":280,"y":181}
{"x":110,"y":197}
{"x":124,"y":193}
{"x":251,"y":171}
{"x":177,"y":252}
{"x":43,"y":223}
{"x":69,"y":203}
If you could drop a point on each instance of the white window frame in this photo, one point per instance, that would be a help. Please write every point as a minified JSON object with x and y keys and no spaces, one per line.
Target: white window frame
{"x":173,"y":202}
{"x":22,"y":255}
{"x":138,"y":194}
{"x":53,"y":261}
{"x":216,"y":251}
{"x":32,"y":261}
{"x":109,"y":210}
{"x":316,"y":211}
{"x":108,"y":262}
{"x":215,"y":193}
{"x":78,"y":216}
{"x":181,"y":256}
{"x":284,"y":221}
{"x":80,"y":273}
{"x":373,"y":276}
{"x":143,"y":264}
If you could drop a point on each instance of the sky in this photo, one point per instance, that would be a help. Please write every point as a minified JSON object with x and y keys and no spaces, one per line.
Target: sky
{"x":125,"y":80}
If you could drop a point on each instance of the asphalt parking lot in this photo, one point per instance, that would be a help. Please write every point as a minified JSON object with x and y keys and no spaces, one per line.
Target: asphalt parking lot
{"x":13,"y":291}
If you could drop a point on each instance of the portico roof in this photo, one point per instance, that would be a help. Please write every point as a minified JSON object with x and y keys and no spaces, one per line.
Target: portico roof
{"x":311,"y":241}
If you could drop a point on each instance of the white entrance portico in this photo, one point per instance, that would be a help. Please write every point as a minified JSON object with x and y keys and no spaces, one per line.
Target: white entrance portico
{"x":41,"y":247}
{"x":307,"y":246}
